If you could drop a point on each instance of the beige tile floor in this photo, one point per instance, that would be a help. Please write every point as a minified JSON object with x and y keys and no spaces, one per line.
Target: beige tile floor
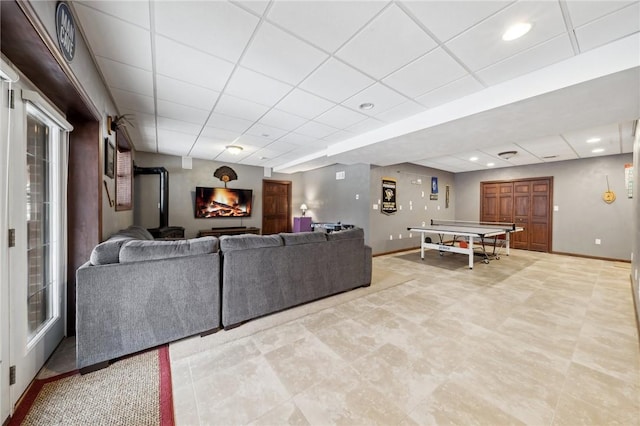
{"x":532,"y":338}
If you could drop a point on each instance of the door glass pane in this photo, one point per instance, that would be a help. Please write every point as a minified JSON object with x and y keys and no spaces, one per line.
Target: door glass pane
{"x":38,"y":200}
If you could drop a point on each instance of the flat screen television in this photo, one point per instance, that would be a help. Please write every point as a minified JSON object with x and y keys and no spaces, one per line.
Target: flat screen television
{"x":223,"y":202}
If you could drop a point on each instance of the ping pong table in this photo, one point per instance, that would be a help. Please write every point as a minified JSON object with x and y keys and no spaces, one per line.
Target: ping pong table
{"x":471,"y":237}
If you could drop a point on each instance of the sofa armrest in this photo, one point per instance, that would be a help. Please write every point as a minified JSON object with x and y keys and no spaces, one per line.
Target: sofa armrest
{"x":368,"y":265}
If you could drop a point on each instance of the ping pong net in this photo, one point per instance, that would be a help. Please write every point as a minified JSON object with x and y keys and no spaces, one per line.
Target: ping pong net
{"x":508,"y":226}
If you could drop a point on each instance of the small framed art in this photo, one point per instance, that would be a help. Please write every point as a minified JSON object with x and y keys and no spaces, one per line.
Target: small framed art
{"x":109,"y":158}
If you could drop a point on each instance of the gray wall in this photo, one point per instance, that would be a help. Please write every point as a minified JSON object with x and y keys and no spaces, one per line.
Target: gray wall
{"x":582,"y":216}
{"x":332,"y":200}
{"x":635,"y":264}
{"x":389,"y":232}
{"x":182,"y":185}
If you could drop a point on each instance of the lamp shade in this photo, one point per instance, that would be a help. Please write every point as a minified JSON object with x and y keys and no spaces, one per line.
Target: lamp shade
{"x":303,"y":207}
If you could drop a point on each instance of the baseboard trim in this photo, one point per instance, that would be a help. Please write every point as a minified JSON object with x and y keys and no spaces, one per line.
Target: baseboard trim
{"x":585,"y":256}
{"x":635,"y":307}
{"x":396,"y":251}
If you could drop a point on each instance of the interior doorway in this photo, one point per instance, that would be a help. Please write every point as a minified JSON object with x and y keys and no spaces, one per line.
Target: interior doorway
{"x":276,"y":206}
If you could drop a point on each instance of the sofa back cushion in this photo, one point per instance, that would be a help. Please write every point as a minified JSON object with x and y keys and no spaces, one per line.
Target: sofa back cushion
{"x":248,"y":241}
{"x":140,"y":250}
{"x":294,"y":239}
{"x":347,"y":234}
{"x":109,"y":251}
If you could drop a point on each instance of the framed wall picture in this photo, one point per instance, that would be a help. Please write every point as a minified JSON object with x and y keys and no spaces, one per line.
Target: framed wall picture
{"x":109,"y":158}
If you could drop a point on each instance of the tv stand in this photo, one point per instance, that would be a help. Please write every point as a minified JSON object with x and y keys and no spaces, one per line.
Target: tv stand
{"x":232,"y":230}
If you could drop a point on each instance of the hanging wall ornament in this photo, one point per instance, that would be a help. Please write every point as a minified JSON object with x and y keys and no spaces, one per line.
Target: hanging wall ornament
{"x":225,"y":174}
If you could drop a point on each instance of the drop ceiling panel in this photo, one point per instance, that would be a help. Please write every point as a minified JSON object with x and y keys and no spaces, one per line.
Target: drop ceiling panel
{"x":338,"y":136}
{"x":126,"y":77}
{"x":216,"y":27}
{"x":240,"y":108}
{"x":483,"y":160}
{"x":256,"y":87}
{"x":583,"y":143}
{"x":207,"y":150}
{"x":446,"y":19}
{"x":255,"y":141}
{"x":179,"y":126}
{"x":365,"y":125}
{"x":190,"y":65}
{"x":259,"y":129}
{"x":182,"y":112}
{"x":340,"y":117}
{"x":482,"y":45}
{"x":389,"y":42}
{"x":434,"y":165}
{"x":220,"y":135}
{"x":449,"y":92}
{"x":281,"y":147}
{"x":226,"y":122}
{"x":400,"y":112}
{"x":133,"y":101}
{"x":609,"y":28}
{"x":177,"y":91}
{"x":138,"y":41}
{"x":281,"y":56}
{"x":134,"y":12}
{"x":257,"y":6}
{"x":549,"y":147}
{"x":316,"y":130}
{"x":304,"y":104}
{"x":327,"y":25}
{"x":582,"y":12}
{"x":282,"y":120}
{"x":174,"y":143}
{"x":429,"y":72}
{"x":336,"y":81}
{"x":521,"y":157}
{"x":540,"y":56}
{"x":298,"y":139}
{"x":379,"y":95}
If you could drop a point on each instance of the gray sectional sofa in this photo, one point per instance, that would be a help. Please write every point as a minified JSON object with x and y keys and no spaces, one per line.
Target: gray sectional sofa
{"x":136,"y":293}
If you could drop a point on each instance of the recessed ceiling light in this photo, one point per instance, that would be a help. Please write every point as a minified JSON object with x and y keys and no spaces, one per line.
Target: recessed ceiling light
{"x":234,"y":149}
{"x":490,"y":164}
{"x":516,"y":31}
{"x":597,"y":150}
{"x":593,"y":140}
{"x":367,"y":105}
{"x":473,"y":159}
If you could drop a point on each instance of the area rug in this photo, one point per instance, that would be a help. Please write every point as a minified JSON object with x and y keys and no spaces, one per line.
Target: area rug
{"x":135,"y":390}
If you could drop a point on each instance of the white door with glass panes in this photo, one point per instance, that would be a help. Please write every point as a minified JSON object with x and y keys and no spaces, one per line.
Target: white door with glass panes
{"x":36,"y":197}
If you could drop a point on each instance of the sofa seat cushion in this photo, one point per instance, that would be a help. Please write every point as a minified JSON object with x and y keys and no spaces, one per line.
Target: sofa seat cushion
{"x":346,"y":234}
{"x":248,"y":241}
{"x":294,"y":239}
{"x":141,"y":250}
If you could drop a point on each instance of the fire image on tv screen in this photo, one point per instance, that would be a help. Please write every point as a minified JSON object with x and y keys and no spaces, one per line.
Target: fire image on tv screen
{"x":223,"y":202}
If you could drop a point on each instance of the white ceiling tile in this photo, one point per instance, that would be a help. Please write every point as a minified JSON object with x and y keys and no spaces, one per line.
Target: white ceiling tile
{"x":140,"y":119}
{"x":438,"y":166}
{"x":226,"y":122}
{"x":431,"y":71}
{"x":401,"y":111}
{"x":134,"y":12}
{"x":220,"y":135}
{"x":174,"y":143}
{"x":609,"y":28}
{"x":482,"y":45}
{"x":316,"y":130}
{"x":126,"y":77}
{"x":540,"y":56}
{"x":219,"y":28}
{"x":457,"y":89}
{"x":120,"y":33}
{"x":240,"y":108}
{"x":207,"y":149}
{"x":256,"y":141}
{"x":133,"y":101}
{"x":257,"y":6}
{"x":366,"y":125}
{"x":282,"y":120}
{"x":184,"y":63}
{"x":609,"y":140}
{"x":281,"y":56}
{"x":269,"y":132}
{"x":336,"y":81}
{"x":304,"y":104}
{"x":182,"y":112}
{"x":446,"y":19}
{"x":179,"y":126}
{"x":521,"y":157}
{"x":326,"y":24}
{"x":281,"y":147}
{"x":582,"y":12}
{"x":256,"y":87}
{"x":298,"y":139}
{"x":177,"y":91}
{"x":340,"y":117}
{"x":338,"y":136}
{"x":379,"y":95}
{"x":551,"y":148}
{"x":389,"y":42}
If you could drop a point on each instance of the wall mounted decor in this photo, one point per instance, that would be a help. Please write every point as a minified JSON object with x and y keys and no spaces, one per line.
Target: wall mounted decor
{"x":109,"y":158}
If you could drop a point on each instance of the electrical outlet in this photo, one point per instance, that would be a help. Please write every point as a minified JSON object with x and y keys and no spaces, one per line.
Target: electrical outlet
{"x":598,"y":242}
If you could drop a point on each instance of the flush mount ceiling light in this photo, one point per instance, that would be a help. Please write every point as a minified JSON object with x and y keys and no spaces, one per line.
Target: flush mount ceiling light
{"x":473,"y":159}
{"x":366,"y":105}
{"x":593,"y":140}
{"x":597,"y":150}
{"x":505,"y":155}
{"x":234,"y":149}
{"x":490,"y":164}
{"x":516,"y":31}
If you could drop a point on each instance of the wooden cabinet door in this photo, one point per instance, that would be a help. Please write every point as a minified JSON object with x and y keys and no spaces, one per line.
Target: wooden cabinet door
{"x":505,"y":202}
{"x":489,"y":208}
{"x":521,"y":213}
{"x":540,"y":225}
{"x":276,"y":207}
